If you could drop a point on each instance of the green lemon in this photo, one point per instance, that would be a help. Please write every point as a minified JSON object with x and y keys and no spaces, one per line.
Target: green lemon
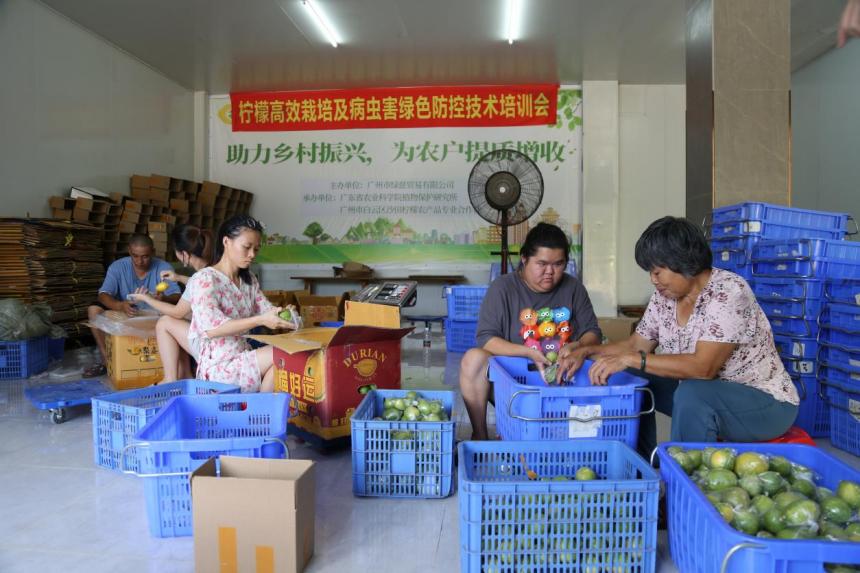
{"x":773,"y":520}
{"x":751,"y":484}
{"x":746,"y":520}
{"x":802,"y":513}
{"x":750,"y":463}
{"x":735,"y":496}
{"x":723,"y":458}
{"x":720,"y":479}
{"x":771,"y":482}
{"x":849,"y":492}
{"x":836,"y":509}
{"x":762,"y":504}
{"x":585,"y":473}
{"x":780,"y":465}
{"x":286,"y":314}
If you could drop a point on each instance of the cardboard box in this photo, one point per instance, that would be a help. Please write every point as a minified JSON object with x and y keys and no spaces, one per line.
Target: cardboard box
{"x":323,"y":369}
{"x":160,"y":196}
{"x":63,"y":203}
{"x":316,"y":309}
{"x":258,"y":515}
{"x":81,"y":215}
{"x":126,"y":227}
{"x":140,"y":181}
{"x":132,"y":362}
{"x":284,"y":297}
{"x":179,"y":205}
{"x":616,"y":329}
{"x":157,"y":227}
{"x":159,"y":181}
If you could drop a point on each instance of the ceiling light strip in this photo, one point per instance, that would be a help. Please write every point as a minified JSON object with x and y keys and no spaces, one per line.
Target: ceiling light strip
{"x":322,"y":22}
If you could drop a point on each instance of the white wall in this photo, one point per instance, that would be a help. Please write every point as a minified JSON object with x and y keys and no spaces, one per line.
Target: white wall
{"x":78,"y":111}
{"x":825,"y":118}
{"x":652,"y":128}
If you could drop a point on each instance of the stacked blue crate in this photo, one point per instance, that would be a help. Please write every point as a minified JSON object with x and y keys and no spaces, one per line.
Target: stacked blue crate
{"x":736,"y":229}
{"x":461,"y":326}
{"x":839,"y":352}
{"x":790,"y":291}
{"x":786,"y":266}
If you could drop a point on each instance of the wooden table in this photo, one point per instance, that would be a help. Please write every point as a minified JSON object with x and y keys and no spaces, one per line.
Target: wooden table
{"x":310,"y":281}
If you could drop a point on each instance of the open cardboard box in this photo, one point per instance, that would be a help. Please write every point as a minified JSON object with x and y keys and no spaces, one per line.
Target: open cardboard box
{"x":132,"y":360}
{"x":315,"y":309}
{"x":257,"y":515}
{"x":325,"y":369}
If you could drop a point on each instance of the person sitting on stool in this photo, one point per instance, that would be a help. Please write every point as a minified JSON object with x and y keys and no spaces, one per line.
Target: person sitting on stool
{"x":539,"y":282}
{"x":139,"y":272}
{"x":718,"y":373}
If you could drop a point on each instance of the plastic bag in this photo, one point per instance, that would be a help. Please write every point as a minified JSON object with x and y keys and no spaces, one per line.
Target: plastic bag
{"x":118,"y":324}
{"x":19,"y":321}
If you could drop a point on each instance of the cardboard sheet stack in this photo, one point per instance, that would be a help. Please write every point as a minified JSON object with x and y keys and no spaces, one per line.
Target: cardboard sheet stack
{"x":59,"y":263}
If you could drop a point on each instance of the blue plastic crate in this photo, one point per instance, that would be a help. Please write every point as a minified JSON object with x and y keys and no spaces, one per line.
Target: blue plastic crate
{"x":742,"y":270}
{"x":118,"y":416}
{"x":773,"y":288}
{"x":770,"y":230}
{"x":735,"y":251}
{"x":56,"y":348}
{"x":840,"y":356}
{"x":528,"y":409}
{"x":841,"y":316}
{"x":789,"y":257}
{"x":23,"y":358}
{"x":845,"y":291}
{"x":460,"y":335}
{"x":189,"y":430}
{"x":813,"y":414}
{"x":844,"y":402}
{"x":843,"y":260}
{"x":809,"y":308}
{"x":793,"y":326}
{"x":795,"y":347}
{"x":464,"y":302}
{"x":839,"y":374}
{"x":701,"y":541}
{"x":753,"y":211}
{"x":417,"y":462}
{"x":510,"y":523}
{"x":837,"y":337}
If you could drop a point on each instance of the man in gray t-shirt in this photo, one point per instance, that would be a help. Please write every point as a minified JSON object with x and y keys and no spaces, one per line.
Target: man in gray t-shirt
{"x":539,"y":282}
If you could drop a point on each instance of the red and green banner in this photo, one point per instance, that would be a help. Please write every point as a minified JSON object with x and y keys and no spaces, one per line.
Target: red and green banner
{"x":399,"y":107}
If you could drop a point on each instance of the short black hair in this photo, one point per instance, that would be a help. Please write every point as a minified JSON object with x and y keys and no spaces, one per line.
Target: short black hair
{"x":545,"y":235}
{"x":676,"y":244}
{"x":141,"y":240}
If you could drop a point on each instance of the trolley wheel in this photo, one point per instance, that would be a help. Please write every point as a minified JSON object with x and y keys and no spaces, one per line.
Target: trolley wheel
{"x":59,"y":415}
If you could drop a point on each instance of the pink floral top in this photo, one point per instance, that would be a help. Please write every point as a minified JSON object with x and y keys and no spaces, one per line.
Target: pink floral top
{"x":215,"y":299}
{"x":726,"y":311}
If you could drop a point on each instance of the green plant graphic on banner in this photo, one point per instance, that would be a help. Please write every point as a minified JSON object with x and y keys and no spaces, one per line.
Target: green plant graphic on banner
{"x":569,"y":104}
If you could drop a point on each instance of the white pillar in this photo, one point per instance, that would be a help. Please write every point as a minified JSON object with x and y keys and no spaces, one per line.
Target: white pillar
{"x":201,"y":136}
{"x":600,"y":194}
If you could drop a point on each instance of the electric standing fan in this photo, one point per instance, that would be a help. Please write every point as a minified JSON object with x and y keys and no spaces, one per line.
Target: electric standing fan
{"x":505,"y":188}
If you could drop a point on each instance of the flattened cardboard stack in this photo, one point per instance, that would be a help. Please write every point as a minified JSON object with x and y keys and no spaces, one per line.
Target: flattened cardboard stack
{"x":103,"y":214}
{"x":55,"y":262}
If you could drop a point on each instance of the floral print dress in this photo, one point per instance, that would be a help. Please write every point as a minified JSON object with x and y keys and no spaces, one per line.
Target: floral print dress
{"x":725,"y":311}
{"x":215,"y":299}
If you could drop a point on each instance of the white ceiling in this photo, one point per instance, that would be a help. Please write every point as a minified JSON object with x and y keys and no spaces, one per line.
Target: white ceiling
{"x":232,"y":45}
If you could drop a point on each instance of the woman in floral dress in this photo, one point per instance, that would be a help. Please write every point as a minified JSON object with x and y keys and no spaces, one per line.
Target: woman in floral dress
{"x":226,"y":303}
{"x":718,"y":373}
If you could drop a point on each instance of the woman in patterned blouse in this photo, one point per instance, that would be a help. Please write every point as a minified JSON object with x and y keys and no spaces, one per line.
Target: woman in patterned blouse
{"x":717,"y":372}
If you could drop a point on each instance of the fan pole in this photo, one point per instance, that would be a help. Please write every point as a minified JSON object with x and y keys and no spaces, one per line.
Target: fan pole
{"x":504,"y":242}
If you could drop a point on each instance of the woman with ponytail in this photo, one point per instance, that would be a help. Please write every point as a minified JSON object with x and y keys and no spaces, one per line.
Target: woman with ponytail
{"x":194,"y":250}
{"x":226,"y":302}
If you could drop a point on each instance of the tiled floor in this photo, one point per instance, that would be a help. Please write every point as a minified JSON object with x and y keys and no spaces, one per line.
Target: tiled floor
{"x":59,"y":512}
